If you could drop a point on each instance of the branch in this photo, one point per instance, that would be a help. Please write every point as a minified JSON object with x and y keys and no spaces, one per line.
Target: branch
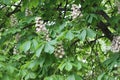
{"x":28,"y":25}
{"x":105,"y":30}
{"x":15,"y":10}
{"x":103,"y":26}
{"x":65,"y":8}
{"x":2,"y":7}
{"x":101,"y":12}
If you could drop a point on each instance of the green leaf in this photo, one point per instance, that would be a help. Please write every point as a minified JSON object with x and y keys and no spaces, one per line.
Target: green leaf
{"x":100,"y":76}
{"x":48,"y":78}
{"x":33,"y":65}
{"x":30,"y":75}
{"x":90,"y":33}
{"x":26,"y":46}
{"x":77,"y":77}
{"x":41,"y":61}
{"x":35,"y":43}
{"x":39,"y":50}
{"x":29,"y":19}
{"x":1,"y":64}
{"x":5,"y":77}
{"x":82,"y":35}
{"x":69,"y":35}
{"x":61,"y":66}
{"x":90,"y":19}
{"x":18,"y":56}
{"x":2,"y":58}
{"x":94,"y":16}
{"x":8,"y":2}
{"x":52,"y":42}
{"x":1,"y":75}
{"x":54,"y":77}
{"x":33,"y":3}
{"x":78,"y":65}
{"x":22,"y":72}
{"x":61,"y":36}
{"x":49,"y":48}
{"x":14,"y":0}
{"x":68,"y":66}
{"x":10,"y":68}
{"x":71,"y":77}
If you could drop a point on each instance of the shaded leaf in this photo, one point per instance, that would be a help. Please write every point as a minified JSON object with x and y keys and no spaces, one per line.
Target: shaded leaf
{"x":61,"y":66}
{"x":100,"y":76}
{"x":71,"y":77}
{"x":68,"y":66}
{"x":49,"y":48}
{"x":30,"y":75}
{"x":82,"y":35}
{"x":69,"y":35}
{"x":35,"y":43}
{"x":39,"y":50}
{"x":90,"y":33}
{"x":26,"y":46}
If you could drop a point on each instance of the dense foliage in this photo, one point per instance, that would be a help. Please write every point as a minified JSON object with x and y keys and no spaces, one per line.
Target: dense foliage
{"x":59,"y":40}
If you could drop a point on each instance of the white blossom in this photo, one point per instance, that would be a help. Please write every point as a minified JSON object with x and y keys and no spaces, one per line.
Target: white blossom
{"x":15,"y":51}
{"x":117,"y":2}
{"x":13,"y":20}
{"x":40,"y":27}
{"x":115,"y":46}
{"x":28,"y":12}
{"x":75,"y":11}
{"x":84,"y":61}
{"x":59,"y":51}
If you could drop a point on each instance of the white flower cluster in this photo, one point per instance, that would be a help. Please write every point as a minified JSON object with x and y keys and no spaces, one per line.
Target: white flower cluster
{"x":104,"y":47}
{"x":75,"y":11}
{"x":15,"y":51}
{"x":40,"y":27}
{"x":13,"y":20}
{"x":28,"y":12}
{"x":59,"y":51}
{"x":118,"y":5}
{"x":115,"y":47}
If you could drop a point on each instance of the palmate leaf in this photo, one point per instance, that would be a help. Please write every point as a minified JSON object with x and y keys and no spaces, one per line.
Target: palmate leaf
{"x":54,"y":77}
{"x":97,"y":17}
{"x":39,"y":50}
{"x":49,"y":48}
{"x":33,"y":3}
{"x":10,"y":68}
{"x":68,"y":66}
{"x":30,"y":75}
{"x":7,"y":2}
{"x":61,"y":66}
{"x":69,"y":35}
{"x":82,"y":35}
{"x":74,"y":77}
{"x":71,"y":77}
{"x":35,"y":43}
{"x":100,"y":76}
{"x":90,"y":33}
{"x":26,"y":46}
